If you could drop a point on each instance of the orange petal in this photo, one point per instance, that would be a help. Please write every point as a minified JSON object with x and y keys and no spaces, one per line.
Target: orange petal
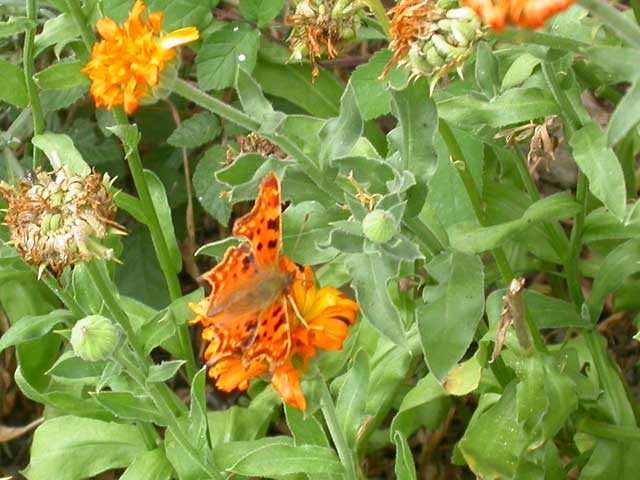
{"x":179,"y":37}
{"x":230,"y":374}
{"x":286,"y":381}
{"x":107,"y":28}
{"x":155,"y":20}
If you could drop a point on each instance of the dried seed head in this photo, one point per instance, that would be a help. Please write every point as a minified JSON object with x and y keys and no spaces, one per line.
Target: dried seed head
{"x":431,"y":37}
{"x":58,"y":218}
{"x":321,"y":26}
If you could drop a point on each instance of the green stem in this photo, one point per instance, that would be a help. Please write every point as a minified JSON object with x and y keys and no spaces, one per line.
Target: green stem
{"x":553,"y":230}
{"x":32,"y":90}
{"x":159,"y":243}
{"x":474,"y":196}
{"x":62,"y":295}
{"x":572,"y":123}
{"x":623,"y":27}
{"x":608,"y":431}
{"x":380,"y":13}
{"x":81,"y":23}
{"x":339,"y":439}
{"x":154,"y":391}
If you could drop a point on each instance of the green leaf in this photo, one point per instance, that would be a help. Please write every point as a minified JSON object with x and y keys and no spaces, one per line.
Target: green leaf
{"x":208,"y":188}
{"x":612,"y":459}
{"x":487,"y":76}
{"x":275,"y":456}
{"x":164,"y":371}
{"x":260,"y":11}
{"x":198,"y":425}
{"x":520,"y":70}
{"x":140,"y":276}
{"x":222,"y":52}
{"x":417,"y":123}
{"x":31,"y":327}
{"x":294,"y":83}
{"x":129,"y":135}
{"x":238,"y":424}
{"x":160,"y":201}
{"x":625,"y":116}
{"x":426,"y":391}
{"x":202,"y":128}
{"x":183,"y":13}
{"x":340,"y":134}
{"x":16,"y":25}
{"x":307,"y":225}
{"x":405,"y":468}
{"x":352,"y":399}
{"x":372,"y":94}
{"x":469,"y":238}
{"x":601,"y":166}
{"x":371,"y":275}
{"x":494,"y":440}
{"x":58,"y":31}
{"x":305,"y":430}
{"x":14,"y":90}
{"x":447,"y":324}
{"x":127,"y":406}
{"x":151,"y":465}
{"x":255,"y":104}
{"x":514,"y":106}
{"x":60,"y":150}
{"x":62,"y":76}
{"x":75,"y":447}
{"x":622,"y":261}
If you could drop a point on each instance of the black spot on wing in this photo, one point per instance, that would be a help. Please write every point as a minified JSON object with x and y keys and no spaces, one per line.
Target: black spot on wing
{"x":273,"y":224}
{"x":272,"y":244}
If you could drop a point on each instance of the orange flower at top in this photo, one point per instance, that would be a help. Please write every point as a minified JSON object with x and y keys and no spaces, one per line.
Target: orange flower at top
{"x":129,"y":59}
{"x":525,"y":13}
{"x":264,"y":311}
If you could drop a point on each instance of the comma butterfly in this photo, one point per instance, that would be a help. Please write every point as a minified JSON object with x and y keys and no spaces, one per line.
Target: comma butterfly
{"x":249,"y":304}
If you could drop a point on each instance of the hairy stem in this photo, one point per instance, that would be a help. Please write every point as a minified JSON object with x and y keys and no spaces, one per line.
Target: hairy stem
{"x":474,"y":196}
{"x":32,"y":90}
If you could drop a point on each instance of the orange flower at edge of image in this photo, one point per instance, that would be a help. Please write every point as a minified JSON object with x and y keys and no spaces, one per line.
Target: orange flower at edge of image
{"x":265,"y":314}
{"x":524,"y":13}
{"x":129,"y":59}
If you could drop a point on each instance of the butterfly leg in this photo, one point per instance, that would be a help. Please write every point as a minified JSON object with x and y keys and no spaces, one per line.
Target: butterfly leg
{"x":294,"y":307}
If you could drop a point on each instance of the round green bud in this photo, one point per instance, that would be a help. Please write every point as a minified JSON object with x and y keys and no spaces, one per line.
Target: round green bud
{"x":379,"y":226}
{"x":94,"y":338}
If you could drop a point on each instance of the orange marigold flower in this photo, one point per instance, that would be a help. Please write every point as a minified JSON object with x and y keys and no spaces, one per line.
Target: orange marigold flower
{"x":129,"y":59}
{"x":525,"y":13}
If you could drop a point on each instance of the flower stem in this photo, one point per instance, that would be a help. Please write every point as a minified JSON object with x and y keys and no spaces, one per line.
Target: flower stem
{"x":619,"y":24}
{"x":572,"y":123}
{"x":339,"y":439}
{"x":159,"y":243}
{"x":32,"y":90}
{"x":474,"y":196}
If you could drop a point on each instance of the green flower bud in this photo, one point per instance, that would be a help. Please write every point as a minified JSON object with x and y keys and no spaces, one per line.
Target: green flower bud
{"x":379,"y":226}
{"x":433,"y":57}
{"x":94,"y":338}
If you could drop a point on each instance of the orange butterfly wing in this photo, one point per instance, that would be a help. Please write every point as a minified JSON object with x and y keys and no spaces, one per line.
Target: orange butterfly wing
{"x":248,"y":307}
